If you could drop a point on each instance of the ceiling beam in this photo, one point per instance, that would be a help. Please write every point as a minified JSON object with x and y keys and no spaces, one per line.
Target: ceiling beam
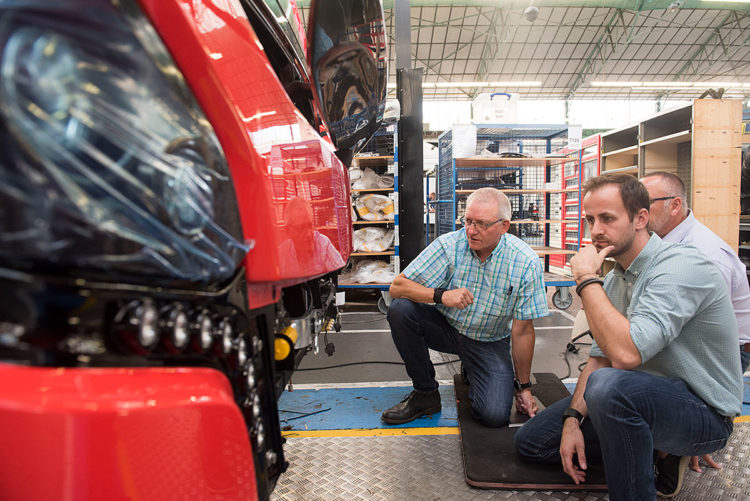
{"x":714,"y":49}
{"x":493,"y":39}
{"x":612,"y":4}
{"x":615,"y":38}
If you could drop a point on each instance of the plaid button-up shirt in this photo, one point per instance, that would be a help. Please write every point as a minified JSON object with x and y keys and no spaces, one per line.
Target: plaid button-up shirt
{"x":508,"y":285}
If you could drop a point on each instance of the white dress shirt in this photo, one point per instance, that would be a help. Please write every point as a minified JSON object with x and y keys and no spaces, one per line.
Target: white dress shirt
{"x":693,"y":232}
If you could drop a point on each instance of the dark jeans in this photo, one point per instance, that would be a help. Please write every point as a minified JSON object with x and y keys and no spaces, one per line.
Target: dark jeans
{"x":744,"y":360}
{"x":631,"y":413}
{"x":415,"y":327}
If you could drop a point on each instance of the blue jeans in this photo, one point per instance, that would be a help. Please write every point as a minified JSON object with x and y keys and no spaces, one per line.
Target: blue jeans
{"x":631,"y":413}
{"x":415,"y":327}
{"x":744,"y":360}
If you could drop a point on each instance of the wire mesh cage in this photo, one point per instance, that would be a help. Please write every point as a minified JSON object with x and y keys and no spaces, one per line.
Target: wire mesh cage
{"x":381,"y":144}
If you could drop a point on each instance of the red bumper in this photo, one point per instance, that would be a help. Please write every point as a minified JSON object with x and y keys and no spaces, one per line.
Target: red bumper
{"x":121,"y":434}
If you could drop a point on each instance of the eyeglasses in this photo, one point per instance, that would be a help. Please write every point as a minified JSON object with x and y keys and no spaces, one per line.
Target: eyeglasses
{"x":480,"y":225}
{"x":652,"y":200}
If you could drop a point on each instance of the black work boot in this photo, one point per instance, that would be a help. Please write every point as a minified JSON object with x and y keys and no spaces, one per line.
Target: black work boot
{"x":669,"y":474}
{"x":416,"y":404}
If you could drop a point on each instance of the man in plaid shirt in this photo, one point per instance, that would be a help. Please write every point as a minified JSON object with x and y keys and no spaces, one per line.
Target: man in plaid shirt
{"x":474,"y":293}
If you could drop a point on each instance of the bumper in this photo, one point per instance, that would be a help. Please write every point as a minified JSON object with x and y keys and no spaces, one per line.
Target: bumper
{"x":145,"y":433}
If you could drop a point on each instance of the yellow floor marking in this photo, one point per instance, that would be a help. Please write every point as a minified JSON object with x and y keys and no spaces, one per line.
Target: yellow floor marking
{"x":395,"y":432}
{"x":377,"y":432}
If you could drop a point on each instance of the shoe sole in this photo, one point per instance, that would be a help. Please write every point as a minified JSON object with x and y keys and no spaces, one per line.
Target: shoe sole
{"x":684,"y":460}
{"x":426,"y":412}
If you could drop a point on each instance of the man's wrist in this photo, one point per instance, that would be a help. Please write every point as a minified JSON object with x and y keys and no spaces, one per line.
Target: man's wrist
{"x":571,"y":414}
{"x":519,"y":386}
{"x":584,"y":276}
{"x":437,"y":295}
{"x":585,"y":283}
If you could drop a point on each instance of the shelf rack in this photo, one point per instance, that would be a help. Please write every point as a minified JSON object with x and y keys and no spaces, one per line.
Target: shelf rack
{"x":384,"y":141}
{"x":533,"y":186}
{"x":699,"y":142}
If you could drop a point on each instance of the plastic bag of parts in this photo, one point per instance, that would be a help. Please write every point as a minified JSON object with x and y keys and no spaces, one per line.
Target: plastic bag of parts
{"x":373,"y":239}
{"x":368,"y":179}
{"x":369,"y":271}
{"x":109,"y":168}
{"x":355,"y":174}
{"x":372,"y":207}
{"x":385,"y":181}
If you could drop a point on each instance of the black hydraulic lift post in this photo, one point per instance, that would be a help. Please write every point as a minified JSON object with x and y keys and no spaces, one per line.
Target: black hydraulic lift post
{"x":410,"y":170}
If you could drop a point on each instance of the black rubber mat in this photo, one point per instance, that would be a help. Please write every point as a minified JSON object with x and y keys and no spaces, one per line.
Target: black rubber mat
{"x":491,"y":460}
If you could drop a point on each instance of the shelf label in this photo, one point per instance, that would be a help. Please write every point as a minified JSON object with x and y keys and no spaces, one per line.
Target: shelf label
{"x":575,"y":134}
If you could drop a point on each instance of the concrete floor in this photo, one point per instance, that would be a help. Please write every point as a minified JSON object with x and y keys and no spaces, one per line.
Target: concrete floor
{"x":365,"y":337}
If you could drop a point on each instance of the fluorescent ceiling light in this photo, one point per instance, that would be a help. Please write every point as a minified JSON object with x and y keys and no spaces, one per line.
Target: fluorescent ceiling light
{"x":666,"y":86}
{"x":717,"y":84}
{"x":472,"y":85}
{"x":467,"y":85}
{"x":669,"y":85}
{"x":615,"y":84}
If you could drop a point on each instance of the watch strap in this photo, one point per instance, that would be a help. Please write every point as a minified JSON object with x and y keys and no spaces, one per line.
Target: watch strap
{"x":572,"y":413}
{"x":521,"y":386}
{"x":437,"y":296}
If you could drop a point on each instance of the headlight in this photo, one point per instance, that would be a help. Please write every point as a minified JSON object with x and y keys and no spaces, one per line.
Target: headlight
{"x":108,"y":166}
{"x":39,"y":72}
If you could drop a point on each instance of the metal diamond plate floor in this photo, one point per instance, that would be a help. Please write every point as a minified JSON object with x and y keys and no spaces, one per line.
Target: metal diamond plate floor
{"x":429,"y":468}
{"x":339,"y":449}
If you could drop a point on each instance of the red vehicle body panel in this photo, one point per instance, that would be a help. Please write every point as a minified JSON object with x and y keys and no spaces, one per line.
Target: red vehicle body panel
{"x":114,"y":434}
{"x":274,"y":154}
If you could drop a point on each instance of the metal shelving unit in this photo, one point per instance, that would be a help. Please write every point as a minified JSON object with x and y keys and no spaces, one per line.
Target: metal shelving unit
{"x":583,"y":164}
{"x":699,"y":143}
{"x":532,"y":184}
{"x":385,"y":141}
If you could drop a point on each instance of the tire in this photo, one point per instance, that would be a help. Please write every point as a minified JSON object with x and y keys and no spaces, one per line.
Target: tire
{"x":382,"y":307}
{"x":562,"y":302}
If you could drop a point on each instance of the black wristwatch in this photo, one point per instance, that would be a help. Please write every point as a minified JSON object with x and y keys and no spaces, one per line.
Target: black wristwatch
{"x":437,"y":296}
{"x":521,"y":386}
{"x":572,"y":413}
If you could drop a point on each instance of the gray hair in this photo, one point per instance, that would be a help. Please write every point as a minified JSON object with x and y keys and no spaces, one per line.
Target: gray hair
{"x":492,"y":196}
{"x":673,"y":185}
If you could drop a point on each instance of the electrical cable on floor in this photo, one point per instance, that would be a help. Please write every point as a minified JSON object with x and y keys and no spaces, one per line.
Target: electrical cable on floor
{"x":301,"y":414}
{"x":372,"y":362}
{"x":379,"y":318}
{"x":571,"y":348}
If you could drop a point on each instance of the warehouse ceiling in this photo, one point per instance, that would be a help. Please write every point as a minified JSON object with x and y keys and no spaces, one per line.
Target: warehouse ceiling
{"x":577,"y":49}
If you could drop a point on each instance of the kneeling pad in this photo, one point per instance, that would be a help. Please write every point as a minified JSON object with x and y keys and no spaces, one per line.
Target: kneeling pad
{"x":490,"y":458}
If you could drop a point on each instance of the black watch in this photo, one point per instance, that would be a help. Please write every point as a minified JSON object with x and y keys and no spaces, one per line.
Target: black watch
{"x":572,"y":413}
{"x":521,"y":386}
{"x":437,"y":296}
